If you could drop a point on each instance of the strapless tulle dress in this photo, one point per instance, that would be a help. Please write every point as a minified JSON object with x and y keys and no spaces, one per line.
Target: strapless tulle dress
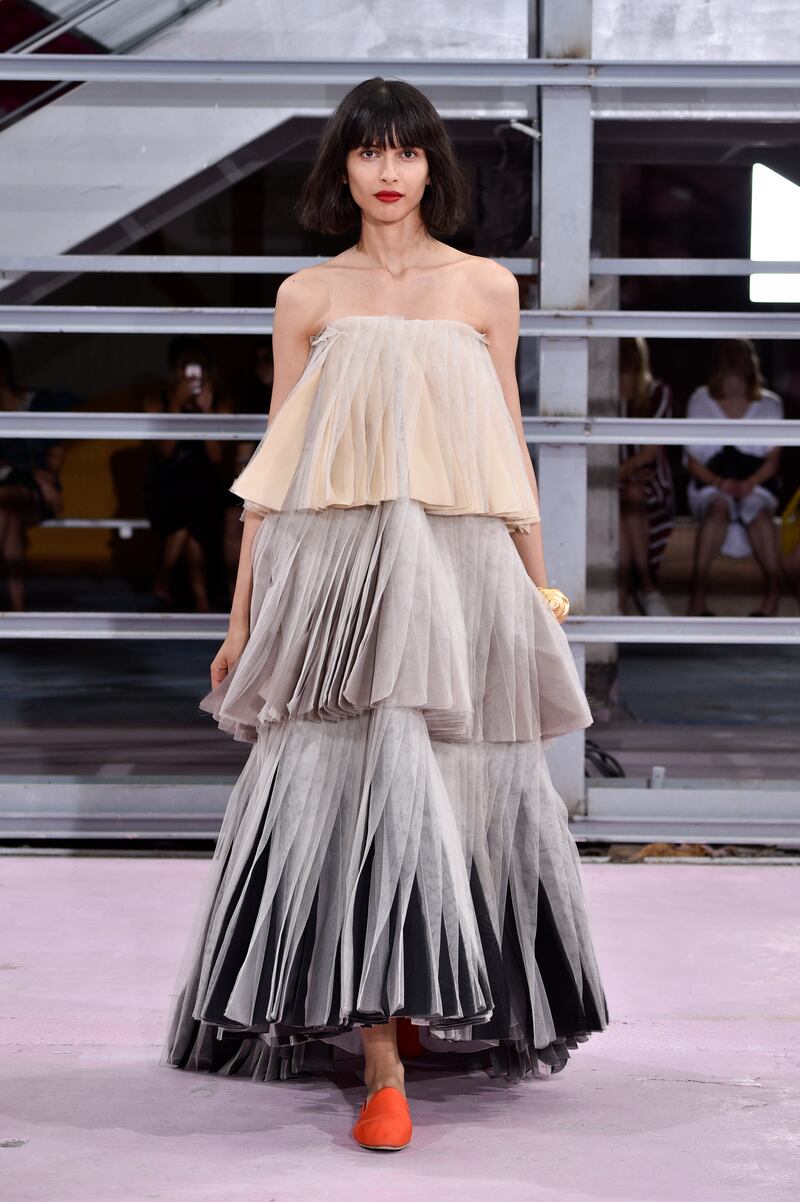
{"x":394,"y":844}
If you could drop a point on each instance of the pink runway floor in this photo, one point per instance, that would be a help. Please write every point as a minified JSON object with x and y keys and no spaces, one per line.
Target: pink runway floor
{"x":692,"y":1093}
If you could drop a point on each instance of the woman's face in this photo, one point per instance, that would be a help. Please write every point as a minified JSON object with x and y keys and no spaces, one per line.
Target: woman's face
{"x":376,"y":170}
{"x":733,"y":382}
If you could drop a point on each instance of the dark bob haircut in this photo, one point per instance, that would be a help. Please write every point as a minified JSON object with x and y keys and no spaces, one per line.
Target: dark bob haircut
{"x":383,"y":112}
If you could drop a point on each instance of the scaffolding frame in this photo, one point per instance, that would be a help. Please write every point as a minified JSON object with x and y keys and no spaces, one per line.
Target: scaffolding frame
{"x":549,"y":71}
{"x":562,"y":97}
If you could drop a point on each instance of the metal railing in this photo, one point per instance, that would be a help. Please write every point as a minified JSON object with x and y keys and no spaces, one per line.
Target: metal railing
{"x":12,"y":265}
{"x":551,"y":323}
{"x":580,"y":629}
{"x":713,"y":88}
{"x":467,"y":74}
{"x":547,"y":431}
{"x":648,"y":75}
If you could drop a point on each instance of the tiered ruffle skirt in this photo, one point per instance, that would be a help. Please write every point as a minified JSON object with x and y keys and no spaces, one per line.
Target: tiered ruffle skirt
{"x":394,"y":844}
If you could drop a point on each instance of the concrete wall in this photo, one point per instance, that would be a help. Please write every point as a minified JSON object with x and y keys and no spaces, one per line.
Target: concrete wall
{"x":696,"y":29}
{"x":89,"y":158}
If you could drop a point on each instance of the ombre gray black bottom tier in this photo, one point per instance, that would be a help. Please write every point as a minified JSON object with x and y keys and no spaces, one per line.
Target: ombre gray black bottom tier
{"x":394,"y":844}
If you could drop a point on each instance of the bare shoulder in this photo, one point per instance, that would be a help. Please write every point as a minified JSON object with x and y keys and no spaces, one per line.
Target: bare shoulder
{"x":700,"y":400}
{"x":495,"y":281}
{"x":494,"y":292}
{"x":302,"y":298}
{"x":495,"y":302}
{"x":299,"y":303}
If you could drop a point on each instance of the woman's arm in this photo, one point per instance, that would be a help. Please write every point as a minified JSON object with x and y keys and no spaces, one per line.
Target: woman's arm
{"x":772,"y":457}
{"x":154,"y":403}
{"x":641,"y":459}
{"x":704,"y":474}
{"x":207,"y":401}
{"x":500,"y":295}
{"x":239,"y":621}
{"x":661,"y":406}
{"x":767,"y":469}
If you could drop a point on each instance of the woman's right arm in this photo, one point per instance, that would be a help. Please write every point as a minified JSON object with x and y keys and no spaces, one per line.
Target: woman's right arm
{"x":239,"y":621}
{"x":702,"y":473}
{"x":694,"y":466}
{"x":660,"y":407}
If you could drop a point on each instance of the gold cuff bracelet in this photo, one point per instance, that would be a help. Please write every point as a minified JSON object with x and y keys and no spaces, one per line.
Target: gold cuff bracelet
{"x":558,"y":601}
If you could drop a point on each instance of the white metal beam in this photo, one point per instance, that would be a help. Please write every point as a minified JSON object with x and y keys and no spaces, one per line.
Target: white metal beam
{"x":548,"y":431}
{"x":553,"y":323}
{"x":580,"y":629}
{"x":645,"y":74}
{"x":285,"y":264}
{"x":692,"y":267}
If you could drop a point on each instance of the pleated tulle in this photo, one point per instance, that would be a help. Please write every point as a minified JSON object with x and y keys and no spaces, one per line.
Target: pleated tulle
{"x":365,"y":871}
{"x":394,"y":844}
{"x":388,"y":407}
{"x":391,"y":604}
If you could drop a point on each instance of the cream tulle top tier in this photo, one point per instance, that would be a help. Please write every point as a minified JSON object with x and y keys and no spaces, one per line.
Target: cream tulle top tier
{"x":389,"y":407}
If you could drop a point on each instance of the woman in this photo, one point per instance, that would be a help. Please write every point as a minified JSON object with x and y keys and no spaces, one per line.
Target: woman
{"x":394,"y":875}
{"x":731,"y":490}
{"x":185,"y":495}
{"x":646,"y":495}
{"x":30,"y":476}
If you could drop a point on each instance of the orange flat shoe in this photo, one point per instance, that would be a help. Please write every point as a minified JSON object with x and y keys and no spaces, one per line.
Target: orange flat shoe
{"x":408,"y":1042}
{"x":384,"y":1122}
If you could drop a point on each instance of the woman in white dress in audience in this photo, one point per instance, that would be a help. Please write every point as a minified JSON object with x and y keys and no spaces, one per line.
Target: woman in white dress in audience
{"x":731,"y":488}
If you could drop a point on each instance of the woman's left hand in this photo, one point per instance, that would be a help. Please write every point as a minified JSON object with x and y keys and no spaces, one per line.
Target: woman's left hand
{"x":204,"y":400}
{"x":558,"y":601}
{"x":51,"y":494}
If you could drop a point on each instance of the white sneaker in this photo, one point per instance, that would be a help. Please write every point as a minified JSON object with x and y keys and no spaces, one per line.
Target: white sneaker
{"x":654,"y":605}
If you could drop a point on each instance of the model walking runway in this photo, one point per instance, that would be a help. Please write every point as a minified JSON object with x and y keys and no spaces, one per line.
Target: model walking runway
{"x":394,"y":845}
{"x":395,"y":874}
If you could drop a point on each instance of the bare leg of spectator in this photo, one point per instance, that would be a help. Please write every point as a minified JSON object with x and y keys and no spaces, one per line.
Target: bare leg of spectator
{"x":764,"y":541}
{"x":173,"y":549}
{"x":791,"y":566}
{"x":637,"y":526}
{"x":16,"y":502}
{"x":709,"y":539}
{"x":624,"y":563}
{"x":196,"y":563}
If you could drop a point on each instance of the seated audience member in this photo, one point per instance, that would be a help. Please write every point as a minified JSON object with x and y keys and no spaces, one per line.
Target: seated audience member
{"x":646,"y":493}
{"x":732,"y":489}
{"x":186,"y":492}
{"x":30,"y":475}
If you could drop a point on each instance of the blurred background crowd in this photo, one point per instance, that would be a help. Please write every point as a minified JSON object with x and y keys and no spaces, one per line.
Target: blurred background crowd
{"x":739,"y":502}
{"x":175,"y":490}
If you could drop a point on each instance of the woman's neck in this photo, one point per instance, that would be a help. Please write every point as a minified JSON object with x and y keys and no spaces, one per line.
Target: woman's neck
{"x":734,"y":404}
{"x":394,"y":249}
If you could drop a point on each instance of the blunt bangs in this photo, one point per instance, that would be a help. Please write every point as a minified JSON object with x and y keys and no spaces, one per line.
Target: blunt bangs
{"x":389,"y":123}
{"x":383,"y":113}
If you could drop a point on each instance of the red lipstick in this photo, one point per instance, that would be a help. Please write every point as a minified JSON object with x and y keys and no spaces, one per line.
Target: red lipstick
{"x":388,"y":196}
